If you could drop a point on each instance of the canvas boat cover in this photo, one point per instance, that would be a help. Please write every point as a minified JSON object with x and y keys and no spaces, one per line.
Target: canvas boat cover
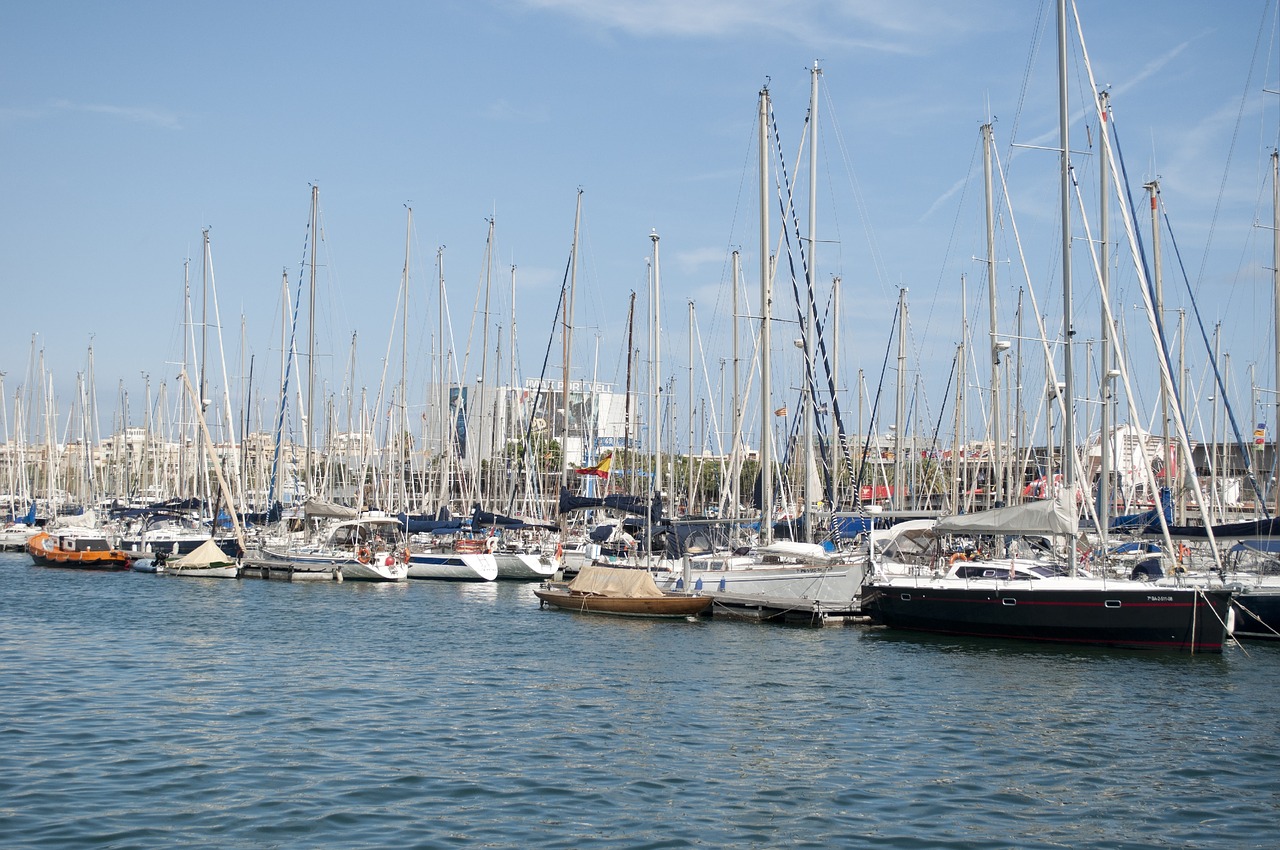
{"x":317,"y":507}
{"x":207,"y":554}
{"x":1046,"y":516}
{"x":611,"y":581}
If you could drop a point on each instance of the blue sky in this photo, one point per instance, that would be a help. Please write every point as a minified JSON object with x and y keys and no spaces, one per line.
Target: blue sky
{"x":127,"y":128}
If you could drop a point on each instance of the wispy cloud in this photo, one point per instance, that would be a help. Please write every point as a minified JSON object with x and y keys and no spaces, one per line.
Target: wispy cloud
{"x":888,"y":26}
{"x":696,"y":258}
{"x":135,"y":114}
{"x":943,"y":198}
{"x":1152,"y":68}
{"x":505,"y":111}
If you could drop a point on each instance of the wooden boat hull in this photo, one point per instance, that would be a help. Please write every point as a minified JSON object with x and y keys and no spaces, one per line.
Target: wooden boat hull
{"x":1166,"y":618}
{"x":645,"y":606}
{"x":45,"y":552}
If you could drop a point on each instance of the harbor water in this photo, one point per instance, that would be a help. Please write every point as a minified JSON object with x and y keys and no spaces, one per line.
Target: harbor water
{"x":141,"y":711}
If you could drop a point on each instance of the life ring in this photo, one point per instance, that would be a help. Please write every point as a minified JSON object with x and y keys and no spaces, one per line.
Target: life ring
{"x":1184,"y":553}
{"x":559,"y":552}
{"x":404,"y":555}
{"x":491,"y":544}
{"x":959,"y":556}
{"x":363,"y":555}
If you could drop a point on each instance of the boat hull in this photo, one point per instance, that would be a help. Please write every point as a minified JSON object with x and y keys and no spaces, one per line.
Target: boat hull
{"x":380,"y":568}
{"x":523,"y":566}
{"x":453,"y":566}
{"x":212,"y":571}
{"x":646,"y":606}
{"x":1258,"y":613}
{"x":45,"y":552}
{"x":836,"y":586}
{"x":1163,"y":618}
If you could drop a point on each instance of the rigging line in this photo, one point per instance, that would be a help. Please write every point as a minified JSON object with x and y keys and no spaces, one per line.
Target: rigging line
{"x":1235,"y":427}
{"x":877,"y":259}
{"x":934,"y":446}
{"x":816,"y":332}
{"x":875,"y":406}
{"x":542,"y":376}
{"x":288,"y":369}
{"x":1032,"y":51}
{"x":1231,"y":149}
{"x":951,"y":239}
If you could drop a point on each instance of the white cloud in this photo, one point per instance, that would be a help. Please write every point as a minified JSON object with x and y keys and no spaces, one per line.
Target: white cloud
{"x":136,"y":114}
{"x":517,"y":113}
{"x":888,"y":26}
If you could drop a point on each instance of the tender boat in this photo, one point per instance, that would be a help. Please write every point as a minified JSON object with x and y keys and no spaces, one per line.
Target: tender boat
{"x":625,"y":592}
{"x":206,"y":561}
{"x":77,"y":547}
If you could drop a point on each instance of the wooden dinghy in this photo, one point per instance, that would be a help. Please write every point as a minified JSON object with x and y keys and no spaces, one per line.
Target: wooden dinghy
{"x":631,"y":593}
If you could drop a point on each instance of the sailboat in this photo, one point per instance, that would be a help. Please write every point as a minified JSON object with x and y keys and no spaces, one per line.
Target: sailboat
{"x":1005,"y":596}
{"x":779,"y":577}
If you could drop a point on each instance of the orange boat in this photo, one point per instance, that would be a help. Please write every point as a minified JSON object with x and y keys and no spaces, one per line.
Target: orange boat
{"x":77,"y":548}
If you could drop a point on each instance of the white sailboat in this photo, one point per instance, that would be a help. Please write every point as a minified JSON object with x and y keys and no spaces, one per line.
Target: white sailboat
{"x":781,"y":576}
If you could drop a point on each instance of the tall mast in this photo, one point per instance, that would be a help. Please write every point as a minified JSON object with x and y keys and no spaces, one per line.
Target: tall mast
{"x":900,"y":412}
{"x":997,"y":429}
{"x":567,"y":338}
{"x":1275,"y":280}
{"x":626,"y":395}
{"x":202,"y":471}
{"x":404,"y":367}
{"x":483,"y":404}
{"x":735,"y":459}
{"x":655,"y":349}
{"x":1104,"y":280}
{"x":689,"y":414}
{"x":766,"y":315}
{"x":1153,"y":188}
{"x":809,"y":317}
{"x":1068,"y":421}
{"x":311,"y":343}
{"x":837,"y":438}
{"x":442,"y":386}
{"x":957,"y":448}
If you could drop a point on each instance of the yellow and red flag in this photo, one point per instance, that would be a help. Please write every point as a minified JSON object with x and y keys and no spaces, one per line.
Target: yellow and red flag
{"x":600,"y":470}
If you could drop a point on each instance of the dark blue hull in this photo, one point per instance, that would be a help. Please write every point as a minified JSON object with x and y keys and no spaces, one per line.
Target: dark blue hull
{"x":1129,"y":618}
{"x":1258,"y":613}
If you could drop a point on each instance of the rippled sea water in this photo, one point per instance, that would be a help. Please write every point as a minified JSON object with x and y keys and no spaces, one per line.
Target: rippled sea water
{"x":142,"y":711}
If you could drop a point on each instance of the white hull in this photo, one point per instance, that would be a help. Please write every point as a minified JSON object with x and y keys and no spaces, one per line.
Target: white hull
{"x":15,"y":537}
{"x":836,"y":585}
{"x":376,"y":570}
{"x":453,"y":566}
{"x":227,"y":571}
{"x":522,"y":566}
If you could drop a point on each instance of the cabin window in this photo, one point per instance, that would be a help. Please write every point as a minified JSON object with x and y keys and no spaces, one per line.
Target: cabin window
{"x":1009,"y":600}
{"x":1112,"y":603}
